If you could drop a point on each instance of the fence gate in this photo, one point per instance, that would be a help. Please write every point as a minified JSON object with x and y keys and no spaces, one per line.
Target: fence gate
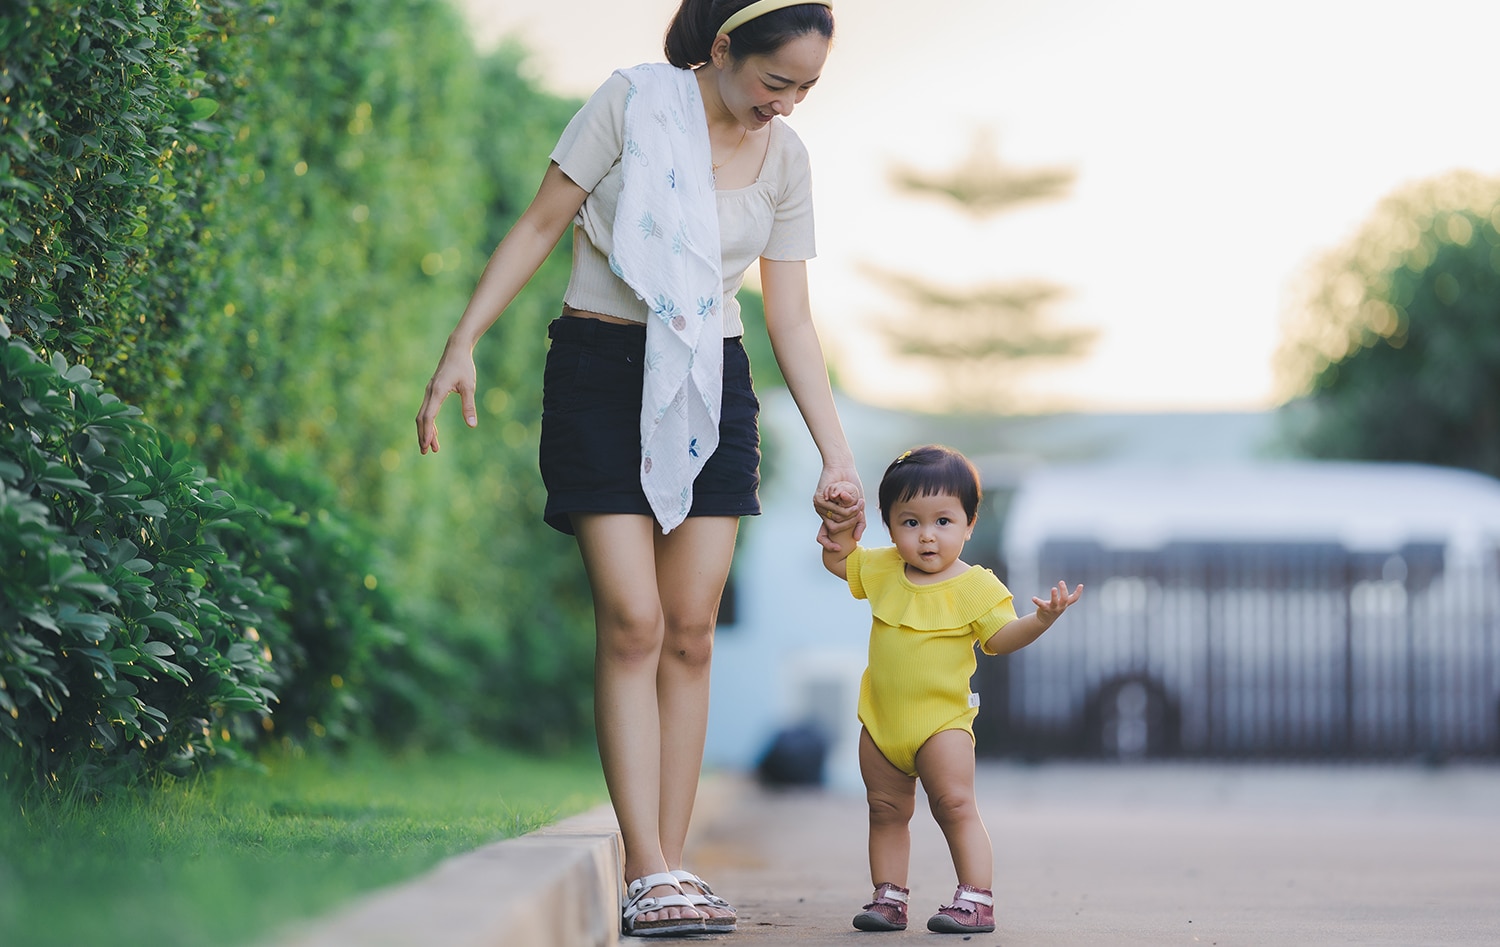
{"x":1256,"y":650}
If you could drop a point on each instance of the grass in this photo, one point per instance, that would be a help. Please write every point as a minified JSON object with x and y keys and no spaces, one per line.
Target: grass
{"x":230,"y":858}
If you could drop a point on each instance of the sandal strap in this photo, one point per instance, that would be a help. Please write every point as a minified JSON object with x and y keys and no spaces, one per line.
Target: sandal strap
{"x":706,"y":896}
{"x":645,"y":883}
{"x":639,"y":903}
{"x":686,"y":877}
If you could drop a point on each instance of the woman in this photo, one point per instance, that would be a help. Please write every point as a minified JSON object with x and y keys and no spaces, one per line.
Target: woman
{"x":649,"y":446}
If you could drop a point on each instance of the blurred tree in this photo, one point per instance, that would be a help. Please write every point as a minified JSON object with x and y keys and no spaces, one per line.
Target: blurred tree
{"x":975,"y":338}
{"x":1393,"y":352}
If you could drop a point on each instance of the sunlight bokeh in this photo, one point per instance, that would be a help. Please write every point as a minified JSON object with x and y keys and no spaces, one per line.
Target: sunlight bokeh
{"x":1220,"y":150}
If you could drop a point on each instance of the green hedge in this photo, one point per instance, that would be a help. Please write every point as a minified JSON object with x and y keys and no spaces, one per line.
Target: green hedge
{"x":107,"y":144}
{"x":129,"y":639}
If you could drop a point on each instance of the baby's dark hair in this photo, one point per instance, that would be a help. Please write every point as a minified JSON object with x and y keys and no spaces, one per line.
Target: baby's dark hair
{"x":928,"y":471}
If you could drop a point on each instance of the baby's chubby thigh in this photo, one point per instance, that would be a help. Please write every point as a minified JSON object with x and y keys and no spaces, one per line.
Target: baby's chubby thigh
{"x":945,"y":764}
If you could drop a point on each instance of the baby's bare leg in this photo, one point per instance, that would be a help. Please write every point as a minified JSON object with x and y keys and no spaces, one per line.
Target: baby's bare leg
{"x":945,"y":764}
{"x":892,"y":797}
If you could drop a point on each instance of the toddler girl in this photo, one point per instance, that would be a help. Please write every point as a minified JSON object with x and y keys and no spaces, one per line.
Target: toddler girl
{"x":930,"y":608}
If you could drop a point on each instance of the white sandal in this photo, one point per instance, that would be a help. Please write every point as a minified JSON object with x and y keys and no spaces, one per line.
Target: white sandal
{"x":633,"y":925}
{"x":705,"y":897}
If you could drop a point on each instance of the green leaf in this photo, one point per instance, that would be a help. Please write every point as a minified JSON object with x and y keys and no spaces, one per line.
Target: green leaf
{"x":198,"y":109}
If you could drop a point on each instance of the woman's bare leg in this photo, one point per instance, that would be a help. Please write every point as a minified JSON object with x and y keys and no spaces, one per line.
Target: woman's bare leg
{"x":620,"y":556}
{"x":692,"y":564}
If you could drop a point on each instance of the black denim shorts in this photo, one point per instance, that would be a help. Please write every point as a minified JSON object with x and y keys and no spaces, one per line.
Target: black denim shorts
{"x":591,"y":427}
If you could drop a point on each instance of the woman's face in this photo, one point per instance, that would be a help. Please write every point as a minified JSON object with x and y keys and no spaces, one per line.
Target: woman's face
{"x":756,"y":89}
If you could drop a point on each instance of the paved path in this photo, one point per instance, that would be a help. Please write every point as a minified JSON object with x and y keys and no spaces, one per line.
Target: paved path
{"x":1172,"y":854}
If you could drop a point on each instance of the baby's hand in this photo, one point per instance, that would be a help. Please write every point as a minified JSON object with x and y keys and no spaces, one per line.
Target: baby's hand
{"x":842,"y":494}
{"x":1050,"y":610}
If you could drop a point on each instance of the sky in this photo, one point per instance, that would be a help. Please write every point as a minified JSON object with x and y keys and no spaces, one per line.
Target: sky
{"x":1219,"y":149}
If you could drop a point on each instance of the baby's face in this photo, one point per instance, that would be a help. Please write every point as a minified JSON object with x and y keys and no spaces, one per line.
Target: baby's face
{"x":930,"y":532}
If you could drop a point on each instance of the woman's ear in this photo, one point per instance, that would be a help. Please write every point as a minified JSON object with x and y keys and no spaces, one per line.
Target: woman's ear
{"x":718,"y":53}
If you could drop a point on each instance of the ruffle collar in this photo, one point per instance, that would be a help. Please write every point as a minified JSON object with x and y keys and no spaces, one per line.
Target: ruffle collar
{"x":897,"y":601}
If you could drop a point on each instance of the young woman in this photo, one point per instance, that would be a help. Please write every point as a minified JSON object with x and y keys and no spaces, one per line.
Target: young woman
{"x":930,"y":608}
{"x":677,"y":178}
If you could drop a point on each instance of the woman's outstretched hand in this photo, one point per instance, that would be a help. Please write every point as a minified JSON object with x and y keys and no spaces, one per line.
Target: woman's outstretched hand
{"x":455,"y":373}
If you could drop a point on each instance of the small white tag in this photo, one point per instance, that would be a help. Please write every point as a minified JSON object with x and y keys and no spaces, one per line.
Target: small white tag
{"x":973,"y":700}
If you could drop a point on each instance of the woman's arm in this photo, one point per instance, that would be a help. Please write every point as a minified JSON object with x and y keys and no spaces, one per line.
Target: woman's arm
{"x":513,"y":263}
{"x":799,"y":354}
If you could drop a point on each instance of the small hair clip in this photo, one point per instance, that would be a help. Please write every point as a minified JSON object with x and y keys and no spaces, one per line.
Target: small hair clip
{"x":903,"y":457}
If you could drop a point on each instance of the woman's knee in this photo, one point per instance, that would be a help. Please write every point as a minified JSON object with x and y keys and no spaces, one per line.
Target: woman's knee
{"x":690,"y":639}
{"x":630,"y":633}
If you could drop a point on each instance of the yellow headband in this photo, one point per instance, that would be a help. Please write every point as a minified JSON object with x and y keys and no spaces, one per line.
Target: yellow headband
{"x":762,"y":7}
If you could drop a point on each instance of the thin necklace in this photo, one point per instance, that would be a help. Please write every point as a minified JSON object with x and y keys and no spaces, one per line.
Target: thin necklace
{"x":714,"y":166}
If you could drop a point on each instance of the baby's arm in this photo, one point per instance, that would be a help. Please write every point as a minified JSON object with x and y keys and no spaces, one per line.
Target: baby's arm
{"x":840,"y":539}
{"x":1015,"y":635}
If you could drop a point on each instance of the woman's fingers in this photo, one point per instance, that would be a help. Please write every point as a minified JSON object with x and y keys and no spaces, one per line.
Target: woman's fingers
{"x":445,"y":381}
{"x":466,"y":396}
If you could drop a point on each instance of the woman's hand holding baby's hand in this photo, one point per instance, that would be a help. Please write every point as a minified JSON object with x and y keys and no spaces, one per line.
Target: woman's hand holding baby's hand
{"x":1050,"y":610}
{"x":840,"y":505}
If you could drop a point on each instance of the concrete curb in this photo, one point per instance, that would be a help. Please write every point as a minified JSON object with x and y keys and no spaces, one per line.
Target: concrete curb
{"x":555,"y":887}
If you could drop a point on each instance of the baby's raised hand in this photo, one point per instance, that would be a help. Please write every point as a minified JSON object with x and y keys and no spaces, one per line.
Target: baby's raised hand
{"x":1057,"y":602}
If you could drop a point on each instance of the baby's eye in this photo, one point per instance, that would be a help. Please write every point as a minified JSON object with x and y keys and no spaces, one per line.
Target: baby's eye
{"x":943,"y":521}
{"x":908,"y":523}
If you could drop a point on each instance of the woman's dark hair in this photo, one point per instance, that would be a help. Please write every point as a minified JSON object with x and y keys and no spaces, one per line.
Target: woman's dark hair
{"x":691,"y":34}
{"x":929,"y":471}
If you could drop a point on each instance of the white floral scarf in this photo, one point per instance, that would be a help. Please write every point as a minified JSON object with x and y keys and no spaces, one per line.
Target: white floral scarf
{"x":666,"y":248}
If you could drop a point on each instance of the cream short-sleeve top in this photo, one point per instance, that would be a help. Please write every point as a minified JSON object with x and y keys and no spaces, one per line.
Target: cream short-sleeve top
{"x":771,"y":218}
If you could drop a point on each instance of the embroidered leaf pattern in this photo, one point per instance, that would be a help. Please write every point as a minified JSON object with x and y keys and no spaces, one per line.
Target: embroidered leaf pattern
{"x":666,"y":309}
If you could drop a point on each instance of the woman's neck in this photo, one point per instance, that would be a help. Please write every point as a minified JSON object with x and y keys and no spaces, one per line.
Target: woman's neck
{"x":721,"y":121}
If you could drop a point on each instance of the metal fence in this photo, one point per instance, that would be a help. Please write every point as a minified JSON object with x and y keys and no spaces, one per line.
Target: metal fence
{"x":1255,"y":650}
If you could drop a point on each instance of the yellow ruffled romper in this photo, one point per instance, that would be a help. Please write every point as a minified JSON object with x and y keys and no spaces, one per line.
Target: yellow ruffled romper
{"x":921,"y":650}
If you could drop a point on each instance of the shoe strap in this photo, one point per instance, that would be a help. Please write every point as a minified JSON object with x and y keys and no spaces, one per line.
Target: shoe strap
{"x":645,"y":883}
{"x":686,"y":877}
{"x":890,"y":892}
{"x":978,"y":896}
